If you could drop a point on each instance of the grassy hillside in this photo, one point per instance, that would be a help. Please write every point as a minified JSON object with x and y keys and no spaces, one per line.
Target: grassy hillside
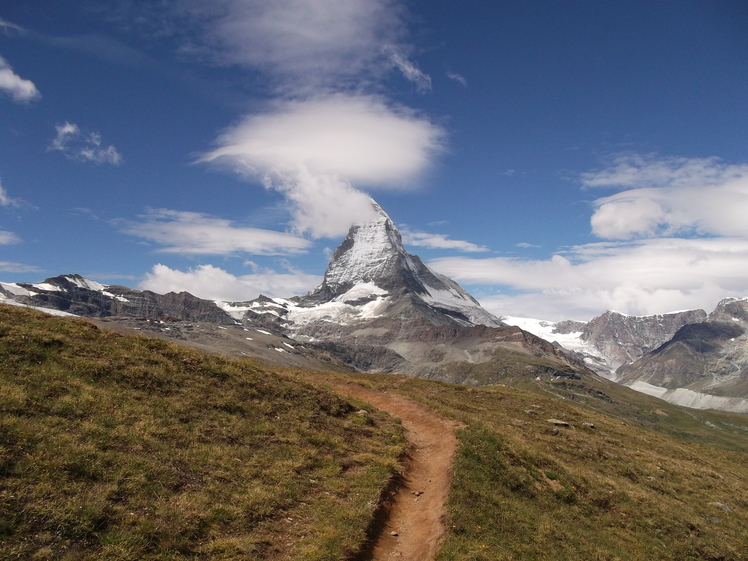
{"x":726,"y":430}
{"x":541,"y":478}
{"x":117,"y":447}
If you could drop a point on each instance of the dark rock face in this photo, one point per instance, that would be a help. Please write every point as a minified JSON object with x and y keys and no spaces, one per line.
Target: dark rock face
{"x":569,"y":326}
{"x":625,"y":339}
{"x":710,"y":357}
{"x":707,"y":337}
{"x":76,"y":295}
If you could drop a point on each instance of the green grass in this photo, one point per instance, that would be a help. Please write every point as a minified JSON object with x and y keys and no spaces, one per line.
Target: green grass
{"x":524,"y":488}
{"x":115,"y":447}
{"x":118,"y":447}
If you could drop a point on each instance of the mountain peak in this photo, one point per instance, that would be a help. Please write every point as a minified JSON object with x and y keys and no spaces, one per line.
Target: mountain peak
{"x":372,"y":258}
{"x":370,"y":253}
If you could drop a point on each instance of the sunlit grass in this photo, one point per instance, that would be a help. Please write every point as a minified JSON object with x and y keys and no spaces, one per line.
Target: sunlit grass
{"x":115,"y":447}
{"x":601,"y":488}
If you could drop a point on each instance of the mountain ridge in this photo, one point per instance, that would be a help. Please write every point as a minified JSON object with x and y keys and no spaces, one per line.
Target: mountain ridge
{"x":381,"y":309}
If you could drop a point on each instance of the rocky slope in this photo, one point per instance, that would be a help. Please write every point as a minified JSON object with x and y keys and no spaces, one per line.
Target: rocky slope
{"x":611,"y":339}
{"x":76,"y":295}
{"x":704,"y":365}
{"x":686,"y":358}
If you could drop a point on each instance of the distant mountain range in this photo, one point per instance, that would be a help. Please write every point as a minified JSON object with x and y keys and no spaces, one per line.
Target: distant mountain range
{"x":381,"y":309}
{"x":687,"y":358}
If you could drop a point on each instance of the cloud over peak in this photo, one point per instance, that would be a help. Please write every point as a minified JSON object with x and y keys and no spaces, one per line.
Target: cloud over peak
{"x":313,"y":151}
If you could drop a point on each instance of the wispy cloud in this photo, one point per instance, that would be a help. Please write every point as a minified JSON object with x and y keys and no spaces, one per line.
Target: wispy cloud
{"x":679,"y":241}
{"x":19,"y":89}
{"x":670,"y":196}
{"x":438,"y":241}
{"x":6,"y":25}
{"x":457,"y":78}
{"x":6,"y":200}
{"x":409,"y":70}
{"x":314,"y":150}
{"x":83,"y":146}
{"x":214,"y":283}
{"x":11,"y":267}
{"x":9,"y":238}
{"x":644,"y":277}
{"x":197,"y":233}
{"x":300,"y":46}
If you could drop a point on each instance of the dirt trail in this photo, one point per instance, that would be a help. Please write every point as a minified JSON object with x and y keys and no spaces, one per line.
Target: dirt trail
{"x":416,"y":521}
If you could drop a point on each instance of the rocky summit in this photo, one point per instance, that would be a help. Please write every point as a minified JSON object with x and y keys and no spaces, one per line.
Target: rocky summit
{"x":372,"y":265}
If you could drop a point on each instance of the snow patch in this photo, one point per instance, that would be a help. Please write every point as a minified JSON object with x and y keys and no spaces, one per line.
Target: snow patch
{"x":48,"y":311}
{"x":47,"y":287}
{"x":692,"y":399}
{"x":86,"y":283}
{"x":15,"y":290}
{"x":235,"y":310}
{"x":361,"y":290}
{"x":336,"y":312}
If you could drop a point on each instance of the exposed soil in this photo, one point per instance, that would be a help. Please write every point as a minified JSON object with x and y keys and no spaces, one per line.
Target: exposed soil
{"x":414,"y":525}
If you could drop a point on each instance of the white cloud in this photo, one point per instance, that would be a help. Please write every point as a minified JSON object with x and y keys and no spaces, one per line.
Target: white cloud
{"x":213,"y":283}
{"x":313,"y":150}
{"x":302,"y":45}
{"x":6,"y":25}
{"x":20,"y":89}
{"x":197,"y":233}
{"x":438,"y":241}
{"x":83,"y":146}
{"x":411,"y":72}
{"x":670,"y":196}
{"x":6,"y":200}
{"x":457,"y":78}
{"x":11,"y":267}
{"x":8,"y":238}
{"x":684,"y":246}
{"x":643,"y":277}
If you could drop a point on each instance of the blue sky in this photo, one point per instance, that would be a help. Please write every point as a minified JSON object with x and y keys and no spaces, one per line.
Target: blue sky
{"x":556,"y":158}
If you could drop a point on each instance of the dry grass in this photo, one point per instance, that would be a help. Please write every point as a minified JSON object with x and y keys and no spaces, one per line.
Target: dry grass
{"x":600,"y":488}
{"x":115,"y":447}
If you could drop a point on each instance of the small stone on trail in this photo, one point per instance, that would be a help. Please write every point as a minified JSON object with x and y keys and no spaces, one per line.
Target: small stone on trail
{"x":393,"y":533}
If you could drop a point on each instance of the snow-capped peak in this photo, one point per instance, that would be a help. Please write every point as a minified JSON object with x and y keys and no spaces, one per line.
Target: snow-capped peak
{"x":366,"y":255}
{"x":83,"y":282}
{"x":372,"y":263}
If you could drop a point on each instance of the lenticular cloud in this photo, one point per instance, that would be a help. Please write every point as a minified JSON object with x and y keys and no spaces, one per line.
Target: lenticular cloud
{"x":314,"y":151}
